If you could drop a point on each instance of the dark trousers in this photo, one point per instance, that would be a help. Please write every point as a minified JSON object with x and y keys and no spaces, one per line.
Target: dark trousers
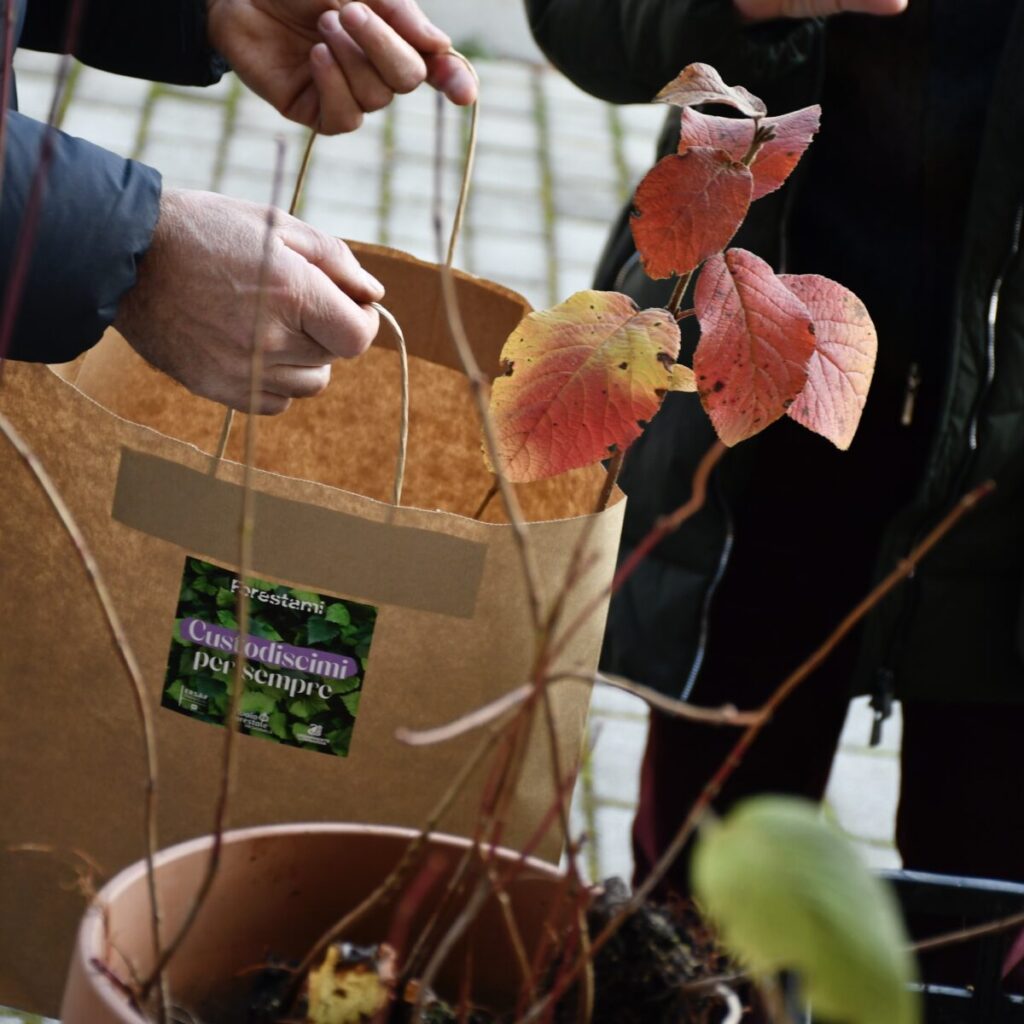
{"x":961,"y":808}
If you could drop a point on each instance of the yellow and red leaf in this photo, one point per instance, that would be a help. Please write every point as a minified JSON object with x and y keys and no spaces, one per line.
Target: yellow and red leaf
{"x":582,"y":380}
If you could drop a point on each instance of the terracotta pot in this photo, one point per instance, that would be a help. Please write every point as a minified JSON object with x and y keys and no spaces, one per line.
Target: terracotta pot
{"x":279,"y":888}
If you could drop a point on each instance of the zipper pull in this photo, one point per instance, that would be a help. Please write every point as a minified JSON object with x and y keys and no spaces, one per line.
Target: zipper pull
{"x":881,"y":702}
{"x":910,"y":395}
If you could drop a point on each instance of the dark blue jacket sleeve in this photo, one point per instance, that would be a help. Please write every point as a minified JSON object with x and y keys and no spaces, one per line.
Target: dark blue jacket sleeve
{"x":162,"y":40}
{"x":95,"y":224}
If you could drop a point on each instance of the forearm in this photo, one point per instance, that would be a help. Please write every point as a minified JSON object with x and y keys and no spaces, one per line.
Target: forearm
{"x":93,"y":228}
{"x":162,"y":40}
{"x":624,"y":51}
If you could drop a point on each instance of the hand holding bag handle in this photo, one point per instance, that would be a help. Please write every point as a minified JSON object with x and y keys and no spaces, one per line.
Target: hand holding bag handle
{"x":460,"y":212}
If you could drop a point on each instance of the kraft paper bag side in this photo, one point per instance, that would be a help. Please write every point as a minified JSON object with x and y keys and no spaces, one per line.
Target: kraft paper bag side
{"x":70,"y":755}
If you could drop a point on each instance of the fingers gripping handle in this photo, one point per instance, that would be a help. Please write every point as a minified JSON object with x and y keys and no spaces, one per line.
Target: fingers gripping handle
{"x":460,"y":212}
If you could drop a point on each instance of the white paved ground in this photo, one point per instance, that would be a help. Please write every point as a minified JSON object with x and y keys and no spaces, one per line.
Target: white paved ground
{"x":554,"y":167}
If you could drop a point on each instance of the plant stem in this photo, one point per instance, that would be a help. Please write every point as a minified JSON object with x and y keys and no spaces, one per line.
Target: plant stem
{"x":762,"y":133}
{"x":968,"y":934}
{"x":735,"y":757}
{"x":18,"y":276}
{"x":478,"y":387}
{"x":662,"y":528}
{"x":488,"y":498}
{"x":610,"y":480}
{"x":131,"y":666}
{"x":679,"y":293}
{"x":395,"y":878}
{"x":246,"y":529}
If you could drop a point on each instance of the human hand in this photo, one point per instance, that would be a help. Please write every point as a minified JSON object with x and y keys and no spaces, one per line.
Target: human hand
{"x":211,"y":274}
{"x":765,"y":10}
{"x":328,"y":62}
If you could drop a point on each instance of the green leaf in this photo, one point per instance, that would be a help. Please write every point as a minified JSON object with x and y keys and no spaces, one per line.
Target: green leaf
{"x":301,"y":709}
{"x":225,"y":599}
{"x":174,"y":691}
{"x":212,"y":688}
{"x":320,"y":631}
{"x":226,"y":617}
{"x":178,"y":638}
{"x":338,"y":613}
{"x":258,"y":703}
{"x":263,"y":630}
{"x":279,"y":724}
{"x":306,"y":595}
{"x":788,"y":892}
{"x":351,"y":702}
{"x":199,"y":567}
{"x":340,"y":740}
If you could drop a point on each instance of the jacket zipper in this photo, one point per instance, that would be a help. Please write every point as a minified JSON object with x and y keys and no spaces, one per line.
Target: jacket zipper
{"x":709,"y":594}
{"x":990,"y":330}
{"x":882,"y":698}
{"x":730,"y":537}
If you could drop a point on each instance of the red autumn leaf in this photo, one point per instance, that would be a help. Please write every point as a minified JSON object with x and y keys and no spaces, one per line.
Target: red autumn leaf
{"x":701,"y":83}
{"x":756,"y":341}
{"x":776,"y":158}
{"x":687,"y":208}
{"x":840,"y":370}
{"x":582,"y":378}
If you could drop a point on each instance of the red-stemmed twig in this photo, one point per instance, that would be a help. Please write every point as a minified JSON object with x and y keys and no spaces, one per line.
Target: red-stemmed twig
{"x":33,"y":208}
{"x":130,"y":663}
{"x":735,"y":757}
{"x":246,"y":529}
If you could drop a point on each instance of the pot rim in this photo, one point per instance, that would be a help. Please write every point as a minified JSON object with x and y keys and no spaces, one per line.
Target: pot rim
{"x":89,"y":944}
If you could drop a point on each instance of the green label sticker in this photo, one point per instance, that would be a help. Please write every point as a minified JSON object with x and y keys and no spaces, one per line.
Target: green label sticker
{"x":306,"y":655}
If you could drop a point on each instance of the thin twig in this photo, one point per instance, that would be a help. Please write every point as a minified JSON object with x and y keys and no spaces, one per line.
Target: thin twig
{"x":785,"y":690}
{"x":130,"y":664}
{"x":503,"y":705}
{"x":246,"y":530}
{"x":478,"y":384}
{"x":679,"y":293}
{"x":300,"y":180}
{"x":665,"y":526}
{"x":293,"y":206}
{"x":610,"y":480}
{"x":33,"y":207}
{"x":6,"y":78}
{"x":980,"y":931}
{"x":488,"y":498}
{"x":398,"y":874}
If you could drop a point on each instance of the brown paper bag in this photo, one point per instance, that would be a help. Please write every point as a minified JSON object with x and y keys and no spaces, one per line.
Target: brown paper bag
{"x":421,"y":605}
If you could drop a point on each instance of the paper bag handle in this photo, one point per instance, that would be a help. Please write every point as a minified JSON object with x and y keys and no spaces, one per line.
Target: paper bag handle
{"x":453,"y":241}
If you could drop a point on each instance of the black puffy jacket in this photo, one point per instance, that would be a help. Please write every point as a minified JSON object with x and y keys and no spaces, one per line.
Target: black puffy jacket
{"x":951,"y":300}
{"x":99,"y":210}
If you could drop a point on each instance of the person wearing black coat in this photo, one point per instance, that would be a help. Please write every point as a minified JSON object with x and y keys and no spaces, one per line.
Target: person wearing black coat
{"x":912,"y":196}
{"x":179,"y":272}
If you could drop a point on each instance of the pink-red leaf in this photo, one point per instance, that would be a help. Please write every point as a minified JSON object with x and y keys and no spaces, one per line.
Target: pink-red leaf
{"x":840,"y":370}
{"x":756,"y":342}
{"x":776,"y":158}
{"x":582,"y":379}
{"x":687,"y":208}
{"x":701,"y":83}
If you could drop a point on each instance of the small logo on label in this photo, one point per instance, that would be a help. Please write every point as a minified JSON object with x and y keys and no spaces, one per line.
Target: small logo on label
{"x":316,"y":730}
